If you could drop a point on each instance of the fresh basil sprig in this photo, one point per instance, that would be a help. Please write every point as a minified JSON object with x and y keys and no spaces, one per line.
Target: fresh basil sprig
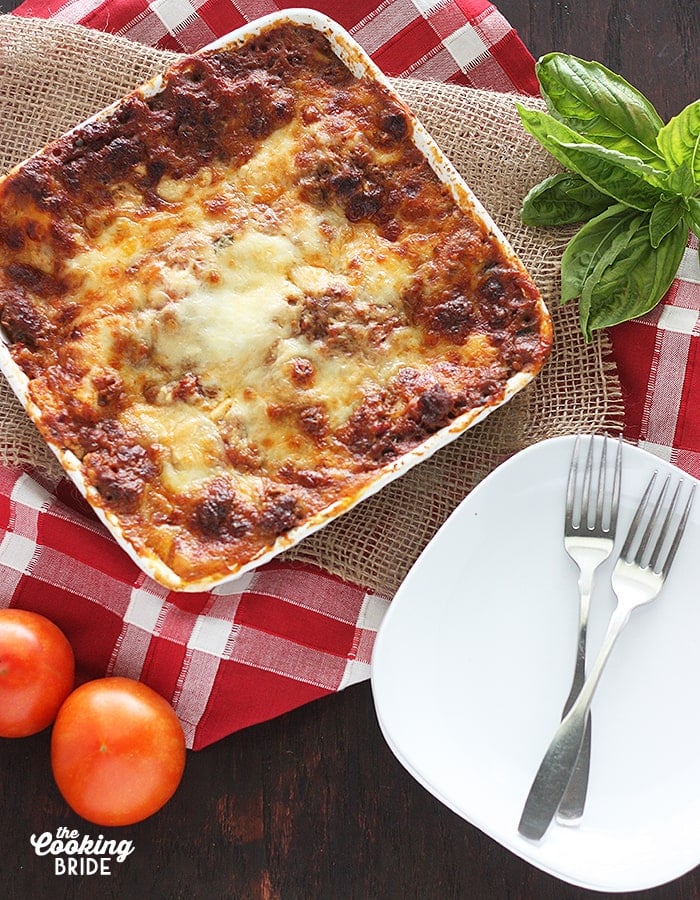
{"x":633,"y":180}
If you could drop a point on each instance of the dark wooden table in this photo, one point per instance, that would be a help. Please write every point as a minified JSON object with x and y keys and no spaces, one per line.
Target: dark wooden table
{"x":313,"y":804}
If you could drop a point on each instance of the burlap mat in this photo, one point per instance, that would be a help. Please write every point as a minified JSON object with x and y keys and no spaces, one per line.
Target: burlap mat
{"x":53,"y":76}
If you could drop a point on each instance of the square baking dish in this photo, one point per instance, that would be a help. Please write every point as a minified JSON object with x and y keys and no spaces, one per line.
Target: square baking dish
{"x":249,"y":295}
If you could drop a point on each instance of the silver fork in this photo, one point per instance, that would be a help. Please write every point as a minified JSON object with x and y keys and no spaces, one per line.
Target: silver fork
{"x":637,"y":579}
{"x":589,"y":542}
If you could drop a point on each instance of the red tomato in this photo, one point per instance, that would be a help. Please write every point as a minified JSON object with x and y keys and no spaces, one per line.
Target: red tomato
{"x":117,"y":751}
{"x":37,"y":672}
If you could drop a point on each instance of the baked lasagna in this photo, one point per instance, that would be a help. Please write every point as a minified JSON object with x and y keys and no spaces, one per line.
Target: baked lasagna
{"x":241,"y":295}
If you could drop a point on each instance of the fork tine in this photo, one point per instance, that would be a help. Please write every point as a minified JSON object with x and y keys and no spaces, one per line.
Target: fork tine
{"x":617,"y":479}
{"x":586,"y":490}
{"x":571,"y":483}
{"x":591,"y":503}
{"x":679,"y":532}
{"x":632,"y":533}
{"x":651,"y":524}
{"x":656,"y":552}
{"x":609,"y":511}
{"x":602,"y":474}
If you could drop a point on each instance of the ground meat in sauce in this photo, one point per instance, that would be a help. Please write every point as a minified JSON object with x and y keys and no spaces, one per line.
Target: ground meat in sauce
{"x":388,"y":424}
{"x":367,"y":192}
{"x":313,"y":421}
{"x":110,"y":391}
{"x":280,"y":513}
{"x":501,"y":304}
{"x":221,"y":514}
{"x":315,"y":479}
{"x":433,"y":408}
{"x":455,"y":316}
{"x":24,"y":321}
{"x":120,"y":474}
{"x":302,"y":372}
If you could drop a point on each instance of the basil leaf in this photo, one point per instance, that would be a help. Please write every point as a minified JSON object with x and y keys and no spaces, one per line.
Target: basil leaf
{"x":634,"y":181}
{"x":609,"y":252}
{"x":693,"y":216}
{"x":692,"y":219}
{"x":654,"y":176}
{"x":628,"y":284}
{"x":593,"y":242}
{"x":600,"y":105}
{"x":681,"y":180}
{"x":667,"y":213}
{"x":563,"y":200}
{"x":607,"y":175}
{"x":679,"y":141}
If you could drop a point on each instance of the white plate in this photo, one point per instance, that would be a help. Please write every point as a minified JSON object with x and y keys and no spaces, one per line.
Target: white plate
{"x":473,"y":662}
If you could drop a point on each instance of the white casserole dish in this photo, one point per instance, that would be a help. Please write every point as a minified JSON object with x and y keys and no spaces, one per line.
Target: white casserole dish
{"x":360,"y":65}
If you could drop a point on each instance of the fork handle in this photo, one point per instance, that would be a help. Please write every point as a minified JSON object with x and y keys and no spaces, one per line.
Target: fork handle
{"x":555,"y":770}
{"x":570,"y":811}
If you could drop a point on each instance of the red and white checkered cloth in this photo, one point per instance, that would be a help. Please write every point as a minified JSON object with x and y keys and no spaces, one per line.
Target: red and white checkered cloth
{"x":291,"y":633}
{"x":286,"y":635}
{"x":658,"y":360}
{"x":461,"y":41}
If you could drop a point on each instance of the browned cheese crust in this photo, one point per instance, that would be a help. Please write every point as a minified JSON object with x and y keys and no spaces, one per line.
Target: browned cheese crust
{"x":240,"y":297}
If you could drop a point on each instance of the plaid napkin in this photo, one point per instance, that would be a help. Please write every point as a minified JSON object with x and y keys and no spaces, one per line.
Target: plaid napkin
{"x":290,"y":633}
{"x":461,"y":41}
{"x":658,"y":361}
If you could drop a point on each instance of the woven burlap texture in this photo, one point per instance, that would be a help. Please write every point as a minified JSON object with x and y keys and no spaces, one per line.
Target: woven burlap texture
{"x":53,"y":76}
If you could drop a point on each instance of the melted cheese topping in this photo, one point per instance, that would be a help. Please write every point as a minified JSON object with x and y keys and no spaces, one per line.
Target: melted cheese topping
{"x":219,"y":298}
